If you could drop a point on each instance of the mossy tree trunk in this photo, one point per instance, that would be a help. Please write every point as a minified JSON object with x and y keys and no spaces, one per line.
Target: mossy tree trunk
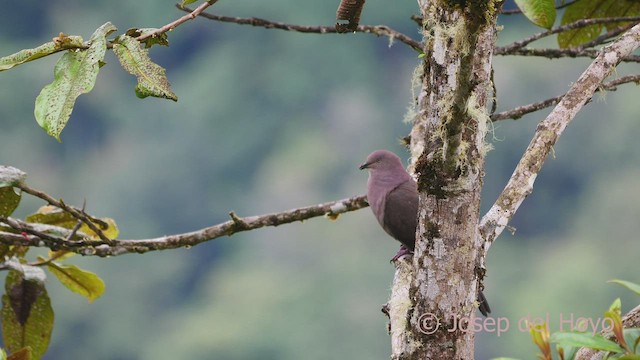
{"x":448,"y":149}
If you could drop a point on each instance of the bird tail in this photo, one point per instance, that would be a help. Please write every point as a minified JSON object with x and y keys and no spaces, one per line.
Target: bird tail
{"x":484,"y":304}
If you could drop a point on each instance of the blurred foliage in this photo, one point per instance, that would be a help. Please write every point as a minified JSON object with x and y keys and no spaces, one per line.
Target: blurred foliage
{"x":269,"y":120}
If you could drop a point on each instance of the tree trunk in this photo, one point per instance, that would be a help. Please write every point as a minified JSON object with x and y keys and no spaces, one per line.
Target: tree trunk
{"x":448,"y":149}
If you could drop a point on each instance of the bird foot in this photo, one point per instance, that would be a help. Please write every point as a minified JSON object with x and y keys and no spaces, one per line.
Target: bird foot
{"x":404,"y":251}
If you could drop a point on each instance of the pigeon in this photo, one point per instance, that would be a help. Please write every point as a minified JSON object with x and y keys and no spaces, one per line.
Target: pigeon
{"x":393,"y":197}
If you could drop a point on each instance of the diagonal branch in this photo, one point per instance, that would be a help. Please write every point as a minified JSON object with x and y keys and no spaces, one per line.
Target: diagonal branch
{"x":237,"y":224}
{"x":379,"y":30}
{"x":174,"y":24}
{"x":78,"y":214}
{"x":520,"y":111}
{"x":520,"y":184}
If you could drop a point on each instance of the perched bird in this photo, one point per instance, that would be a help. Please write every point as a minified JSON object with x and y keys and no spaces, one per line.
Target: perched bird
{"x":393,"y":197}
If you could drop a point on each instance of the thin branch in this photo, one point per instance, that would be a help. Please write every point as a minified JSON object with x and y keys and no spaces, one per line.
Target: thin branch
{"x":237,"y":224}
{"x":561,"y":53}
{"x":606,"y":37}
{"x":508,"y":49}
{"x":518,"y":11}
{"x":25,"y":228}
{"x":520,"y":184}
{"x":379,"y":30}
{"x":78,"y":214}
{"x":172,"y":25}
{"x":520,"y":111}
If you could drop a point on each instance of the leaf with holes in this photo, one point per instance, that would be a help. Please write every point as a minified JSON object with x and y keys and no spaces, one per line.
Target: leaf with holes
{"x":80,"y":281}
{"x":152,"y":80}
{"x":74,"y":74}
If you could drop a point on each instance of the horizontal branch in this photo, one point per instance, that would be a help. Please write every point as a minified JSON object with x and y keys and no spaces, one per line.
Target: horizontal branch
{"x":560,"y":53}
{"x":118,"y":247}
{"x":520,"y":185}
{"x":379,"y":30}
{"x":520,"y":111}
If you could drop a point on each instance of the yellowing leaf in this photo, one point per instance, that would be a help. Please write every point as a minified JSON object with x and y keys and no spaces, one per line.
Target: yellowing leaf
{"x":32,"y":325}
{"x":111,"y":231}
{"x":80,"y":281}
{"x":74,"y":74}
{"x":54,"y":216}
{"x":152,"y":80}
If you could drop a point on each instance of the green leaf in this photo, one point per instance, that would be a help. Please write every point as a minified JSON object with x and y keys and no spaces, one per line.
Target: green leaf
{"x":594,"y":9}
{"x":629,"y":285}
{"x":579,"y":339}
{"x":152,"y":80}
{"x":31,"y":325}
{"x":539,"y":12}
{"x":61,"y":42}
{"x":632,"y":336}
{"x":74,"y":74}
{"x":10,"y":176}
{"x":629,"y":357}
{"x":9,"y":200}
{"x":187,"y":2}
{"x":80,"y":281}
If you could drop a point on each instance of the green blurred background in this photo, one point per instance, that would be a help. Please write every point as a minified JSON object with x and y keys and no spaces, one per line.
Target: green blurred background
{"x":269,"y":120}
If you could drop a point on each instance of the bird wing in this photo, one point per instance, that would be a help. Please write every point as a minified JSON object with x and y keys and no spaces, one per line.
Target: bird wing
{"x":401,"y":213}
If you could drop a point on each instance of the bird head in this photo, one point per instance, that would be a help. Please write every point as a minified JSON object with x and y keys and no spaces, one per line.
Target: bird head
{"x":382,"y":160}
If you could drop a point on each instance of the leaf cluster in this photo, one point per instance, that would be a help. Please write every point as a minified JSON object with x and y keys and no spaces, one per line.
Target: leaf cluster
{"x":617,"y":342}
{"x":76,"y":71}
{"x":27,"y":314}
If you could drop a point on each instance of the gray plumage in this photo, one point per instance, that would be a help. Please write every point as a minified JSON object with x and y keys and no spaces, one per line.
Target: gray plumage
{"x":393,"y":197}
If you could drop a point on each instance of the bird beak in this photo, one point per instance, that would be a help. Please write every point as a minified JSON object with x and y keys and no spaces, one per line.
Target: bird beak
{"x":364,"y":166}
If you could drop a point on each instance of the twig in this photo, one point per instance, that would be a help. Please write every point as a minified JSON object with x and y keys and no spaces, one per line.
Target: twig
{"x":50,"y":241}
{"x":520,"y":185}
{"x":508,"y":49}
{"x":228,"y":228}
{"x":172,"y":25}
{"x":520,"y":111}
{"x":562,"y":53}
{"x":80,"y":215}
{"x":607,"y":36}
{"x":380,"y":30}
{"x":518,"y":11}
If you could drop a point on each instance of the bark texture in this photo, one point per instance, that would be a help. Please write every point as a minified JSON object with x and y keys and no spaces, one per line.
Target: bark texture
{"x":447,"y":145}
